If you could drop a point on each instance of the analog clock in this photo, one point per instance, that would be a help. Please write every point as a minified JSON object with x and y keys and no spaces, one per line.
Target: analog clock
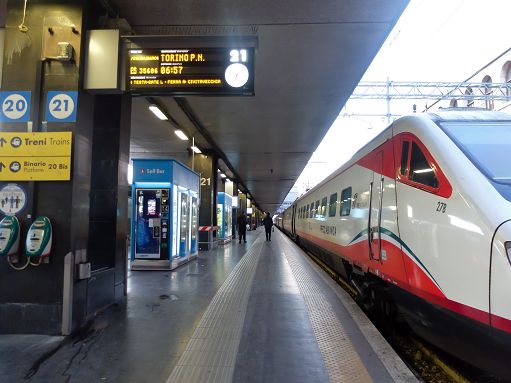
{"x":236,"y":75}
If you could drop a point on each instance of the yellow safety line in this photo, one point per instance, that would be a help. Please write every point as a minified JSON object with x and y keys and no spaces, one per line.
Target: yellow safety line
{"x":454,"y":375}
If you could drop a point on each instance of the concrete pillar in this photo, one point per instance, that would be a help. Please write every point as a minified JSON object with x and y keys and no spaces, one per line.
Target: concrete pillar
{"x":220,"y":184}
{"x":206,"y":166}
{"x":242,"y":203}
{"x":88,"y":212}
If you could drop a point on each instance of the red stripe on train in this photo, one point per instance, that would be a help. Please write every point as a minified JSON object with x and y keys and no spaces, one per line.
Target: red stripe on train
{"x":423,"y":286}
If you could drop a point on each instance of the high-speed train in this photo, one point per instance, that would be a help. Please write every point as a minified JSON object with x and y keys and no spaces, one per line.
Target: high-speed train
{"x":420,"y":219}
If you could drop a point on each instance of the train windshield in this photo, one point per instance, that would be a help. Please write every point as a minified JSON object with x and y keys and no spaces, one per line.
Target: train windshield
{"x":486,"y":144}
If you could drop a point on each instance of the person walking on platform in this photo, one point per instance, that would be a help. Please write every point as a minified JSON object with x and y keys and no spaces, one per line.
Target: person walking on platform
{"x":242,"y":228}
{"x":268,"y":223}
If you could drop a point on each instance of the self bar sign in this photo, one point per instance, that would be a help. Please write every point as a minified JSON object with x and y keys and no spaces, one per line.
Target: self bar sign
{"x":61,"y":106}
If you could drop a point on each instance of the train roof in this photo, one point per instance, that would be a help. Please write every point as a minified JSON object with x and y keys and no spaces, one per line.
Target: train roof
{"x":467,"y":114}
{"x":441,"y":115}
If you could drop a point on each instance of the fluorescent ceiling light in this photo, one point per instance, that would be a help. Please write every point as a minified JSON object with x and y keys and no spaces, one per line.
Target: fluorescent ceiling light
{"x":196,"y":149}
{"x":222,"y":175}
{"x":181,"y":134}
{"x":157,"y":112}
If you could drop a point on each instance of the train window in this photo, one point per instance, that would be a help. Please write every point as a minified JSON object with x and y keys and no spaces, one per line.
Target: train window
{"x":404,"y":158}
{"x":307,"y":211}
{"x":316,"y":209}
{"x":346,"y":202}
{"x":420,"y":169}
{"x":312,"y":210}
{"x":332,"y":206}
{"x":323,"y":207}
{"x":299,"y":212}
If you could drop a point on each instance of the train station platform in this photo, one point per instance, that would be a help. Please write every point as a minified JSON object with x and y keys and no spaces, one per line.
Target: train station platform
{"x":252,"y":312}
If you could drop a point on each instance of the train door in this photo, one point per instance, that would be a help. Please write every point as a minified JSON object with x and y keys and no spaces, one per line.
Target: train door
{"x":375,"y":210}
{"x":293,"y":221}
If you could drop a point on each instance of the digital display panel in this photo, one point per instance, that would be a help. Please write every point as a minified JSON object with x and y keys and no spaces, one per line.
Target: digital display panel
{"x":194,"y":71}
{"x":151,"y":207}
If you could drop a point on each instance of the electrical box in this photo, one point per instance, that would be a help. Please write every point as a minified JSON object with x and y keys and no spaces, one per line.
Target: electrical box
{"x":83,"y":270}
{"x":60,"y":43}
{"x":65,"y":51}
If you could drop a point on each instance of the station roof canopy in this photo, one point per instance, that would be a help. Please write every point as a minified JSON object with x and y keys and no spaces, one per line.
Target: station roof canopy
{"x":309,"y":57}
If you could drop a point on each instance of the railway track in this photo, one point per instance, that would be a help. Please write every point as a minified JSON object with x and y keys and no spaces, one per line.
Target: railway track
{"x":428,"y":363}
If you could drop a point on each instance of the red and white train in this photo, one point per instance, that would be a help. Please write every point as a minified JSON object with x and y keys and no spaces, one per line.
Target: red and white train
{"x":422,"y":215}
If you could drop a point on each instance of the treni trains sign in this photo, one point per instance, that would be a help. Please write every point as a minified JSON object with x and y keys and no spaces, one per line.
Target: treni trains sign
{"x":193,"y":71}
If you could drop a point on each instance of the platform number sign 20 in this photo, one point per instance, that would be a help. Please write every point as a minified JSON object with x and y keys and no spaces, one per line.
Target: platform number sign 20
{"x":61,"y":106}
{"x":15,"y":106}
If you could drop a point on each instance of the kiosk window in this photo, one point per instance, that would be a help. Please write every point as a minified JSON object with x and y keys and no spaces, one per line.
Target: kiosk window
{"x":332,"y":206}
{"x":420,"y":169}
{"x":346,"y":202}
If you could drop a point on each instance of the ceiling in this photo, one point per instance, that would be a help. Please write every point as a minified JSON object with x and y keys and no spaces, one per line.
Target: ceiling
{"x":309,"y":57}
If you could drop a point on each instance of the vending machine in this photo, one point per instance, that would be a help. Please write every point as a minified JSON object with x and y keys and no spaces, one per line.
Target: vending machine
{"x":224,"y":217}
{"x":152,"y":217}
{"x":165,"y":214}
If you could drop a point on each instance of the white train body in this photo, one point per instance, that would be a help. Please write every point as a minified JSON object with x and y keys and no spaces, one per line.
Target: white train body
{"x":433,"y":226}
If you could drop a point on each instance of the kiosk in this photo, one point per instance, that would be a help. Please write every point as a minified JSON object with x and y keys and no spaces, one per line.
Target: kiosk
{"x":224,"y":217}
{"x":164,"y":214}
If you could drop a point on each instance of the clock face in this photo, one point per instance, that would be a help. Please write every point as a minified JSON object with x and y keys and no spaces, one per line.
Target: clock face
{"x":236,"y":75}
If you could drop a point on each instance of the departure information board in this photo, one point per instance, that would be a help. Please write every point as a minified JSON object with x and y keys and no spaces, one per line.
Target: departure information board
{"x":195,"y":71}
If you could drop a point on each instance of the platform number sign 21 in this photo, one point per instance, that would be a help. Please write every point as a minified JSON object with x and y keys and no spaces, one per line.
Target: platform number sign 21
{"x":61,"y":106}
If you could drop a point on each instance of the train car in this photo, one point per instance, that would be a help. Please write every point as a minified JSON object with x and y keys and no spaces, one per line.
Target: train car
{"x":420,"y":218}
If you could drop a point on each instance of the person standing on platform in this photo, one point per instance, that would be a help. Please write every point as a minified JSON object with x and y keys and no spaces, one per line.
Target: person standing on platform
{"x":242,"y":228}
{"x":268,"y":223}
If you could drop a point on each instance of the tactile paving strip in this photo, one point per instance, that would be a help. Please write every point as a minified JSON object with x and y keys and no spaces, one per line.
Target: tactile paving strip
{"x":341,"y":360}
{"x":210,"y":355}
